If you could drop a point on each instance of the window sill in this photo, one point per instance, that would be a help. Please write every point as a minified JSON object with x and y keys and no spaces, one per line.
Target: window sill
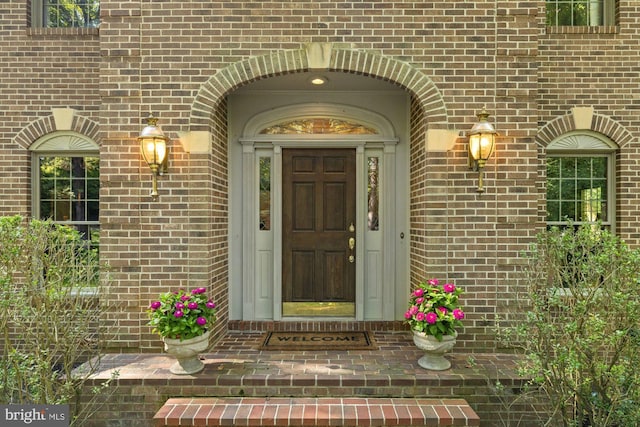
{"x":604,"y":29}
{"x":41,"y":31}
{"x":85,"y":292}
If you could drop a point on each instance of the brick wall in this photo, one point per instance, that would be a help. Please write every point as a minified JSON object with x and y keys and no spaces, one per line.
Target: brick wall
{"x":175,"y":59}
{"x":598,"y":68}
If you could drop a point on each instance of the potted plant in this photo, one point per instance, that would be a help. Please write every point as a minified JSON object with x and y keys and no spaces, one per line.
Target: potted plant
{"x":184,"y":321}
{"x":434,"y":314}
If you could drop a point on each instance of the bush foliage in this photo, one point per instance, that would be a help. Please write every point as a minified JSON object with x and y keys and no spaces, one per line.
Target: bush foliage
{"x":50,"y":311}
{"x":580,"y":331}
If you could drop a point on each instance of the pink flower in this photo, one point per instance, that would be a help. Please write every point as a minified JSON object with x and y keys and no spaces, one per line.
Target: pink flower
{"x":434,"y":282}
{"x":155,"y":305}
{"x":431,"y":318}
{"x":418,"y":292}
{"x":458,"y":314}
{"x":419,"y":300}
{"x":443,"y":310}
{"x":198,"y":291}
{"x":408,"y":315}
{"x":178,"y":313}
{"x":420,"y":316}
{"x":192,"y":305}
{"x":179,"y":305}
{"x":201,"y":321}
{"x":185,"y":297}
{"x":211,"y":304}
{"x":449,"y":287}
{"x":414,"y":310}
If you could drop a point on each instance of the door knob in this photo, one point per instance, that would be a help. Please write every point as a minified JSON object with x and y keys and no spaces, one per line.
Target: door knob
{"x":352,"y":244}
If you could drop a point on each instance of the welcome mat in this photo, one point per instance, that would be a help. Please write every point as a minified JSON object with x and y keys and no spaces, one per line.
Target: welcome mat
{"x":318,"y":340}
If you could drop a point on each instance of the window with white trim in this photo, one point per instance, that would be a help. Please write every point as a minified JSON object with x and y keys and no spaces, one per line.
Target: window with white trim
{"x":66,"y":182}
{"x":580,"y":12}
{"x":580,"y":180}
{"x":65,"y":13}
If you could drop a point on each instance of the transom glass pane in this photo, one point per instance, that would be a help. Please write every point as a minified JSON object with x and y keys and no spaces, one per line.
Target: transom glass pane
{"x":319,"y":126}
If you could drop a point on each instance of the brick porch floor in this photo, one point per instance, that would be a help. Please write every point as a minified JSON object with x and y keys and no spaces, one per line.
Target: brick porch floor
{"x":235,"y":366}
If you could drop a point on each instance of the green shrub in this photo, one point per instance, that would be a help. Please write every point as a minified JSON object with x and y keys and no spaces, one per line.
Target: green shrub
{"x":50,"y":311}
{"x":580,"y":327}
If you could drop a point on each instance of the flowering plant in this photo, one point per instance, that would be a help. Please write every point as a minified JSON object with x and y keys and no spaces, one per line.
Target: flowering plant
{"x":182,"y":315}
{"x":434,"y":309}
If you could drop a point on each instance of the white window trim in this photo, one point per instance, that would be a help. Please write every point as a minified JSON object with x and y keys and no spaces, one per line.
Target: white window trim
{"x":589,"y":144}
{"x":61,"y":143}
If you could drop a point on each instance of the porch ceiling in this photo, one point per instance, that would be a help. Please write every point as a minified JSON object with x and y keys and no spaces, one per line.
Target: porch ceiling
{"x":336,"y":81}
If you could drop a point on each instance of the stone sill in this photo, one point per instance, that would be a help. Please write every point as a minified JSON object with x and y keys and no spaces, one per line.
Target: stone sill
{"x":605,"y":29}
{"x":65,"y":32}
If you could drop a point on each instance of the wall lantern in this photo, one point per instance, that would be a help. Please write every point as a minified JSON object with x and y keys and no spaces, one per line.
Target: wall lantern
{"x":482,"y":142}
{"x":153,"y":144}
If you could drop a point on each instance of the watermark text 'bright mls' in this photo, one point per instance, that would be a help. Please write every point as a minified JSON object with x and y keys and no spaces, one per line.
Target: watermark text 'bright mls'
{"x":34,"y":415}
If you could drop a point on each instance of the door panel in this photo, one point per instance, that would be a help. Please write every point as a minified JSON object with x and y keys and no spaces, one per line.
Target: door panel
{"x":318,"y":207}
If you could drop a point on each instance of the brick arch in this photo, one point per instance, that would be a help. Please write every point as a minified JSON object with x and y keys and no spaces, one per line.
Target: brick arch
{"x":292,"y":61}
{"x":45,"y":125}
{"x":599,"y":123}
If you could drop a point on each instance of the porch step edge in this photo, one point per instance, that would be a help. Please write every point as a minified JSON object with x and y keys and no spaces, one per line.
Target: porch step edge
{"x":316,"y":326}
{"x":328,"y":411}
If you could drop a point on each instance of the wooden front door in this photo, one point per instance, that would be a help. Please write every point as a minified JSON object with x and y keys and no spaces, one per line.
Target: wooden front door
{"x":318,"y":207}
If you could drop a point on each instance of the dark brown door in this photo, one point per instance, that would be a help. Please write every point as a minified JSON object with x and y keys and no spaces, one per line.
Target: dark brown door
{"x":318,"y":221}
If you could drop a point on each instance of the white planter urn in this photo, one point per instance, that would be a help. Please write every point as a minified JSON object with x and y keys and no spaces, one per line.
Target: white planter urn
{"x":434,"y":350}
{"x":187,"y":353}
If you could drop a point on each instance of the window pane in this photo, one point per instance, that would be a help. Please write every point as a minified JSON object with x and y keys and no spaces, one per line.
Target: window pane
{"x":47,"y":189}
{"x":599,"y":167}
{"x":93,"y":211}
{"x":568,"y":211}
{"x":583,"y":165}
{"x":575,"y":12}
{"x":93,"y":189}
{"x":567,"y":189}
{"x":577,"y":189}
{"x":63,"y":210}
{"x":553,"y":189}
{"x":373,"y":194}
{"x":553,"y":211}
{"x":553,"y":167}
{"x":568,"y":167}
{"x":46,"y":209}
{"x":65,"y":189}
{"x":78,"y":213}
{"x":265,"y":193}
{"x":72,"y":13}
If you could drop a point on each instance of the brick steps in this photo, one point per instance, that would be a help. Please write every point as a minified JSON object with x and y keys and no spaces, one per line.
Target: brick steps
{"x":298,"y":412}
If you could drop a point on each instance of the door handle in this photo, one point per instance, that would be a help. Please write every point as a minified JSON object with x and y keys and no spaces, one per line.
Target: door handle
{"x":352,"y":244}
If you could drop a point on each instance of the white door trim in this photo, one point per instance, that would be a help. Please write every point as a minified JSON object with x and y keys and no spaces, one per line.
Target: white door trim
{"x":256,"y":263}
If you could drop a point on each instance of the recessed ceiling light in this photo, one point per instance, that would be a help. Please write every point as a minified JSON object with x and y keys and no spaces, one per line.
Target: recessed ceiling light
{"x":318,"y":80}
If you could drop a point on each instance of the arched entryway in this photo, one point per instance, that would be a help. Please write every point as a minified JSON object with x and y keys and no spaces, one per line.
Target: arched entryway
{"x":388,"y":96}
{"x":319,"y":200}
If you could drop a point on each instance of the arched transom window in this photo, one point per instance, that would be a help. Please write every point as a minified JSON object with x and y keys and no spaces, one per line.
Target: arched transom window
{"x":318,"y":125}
